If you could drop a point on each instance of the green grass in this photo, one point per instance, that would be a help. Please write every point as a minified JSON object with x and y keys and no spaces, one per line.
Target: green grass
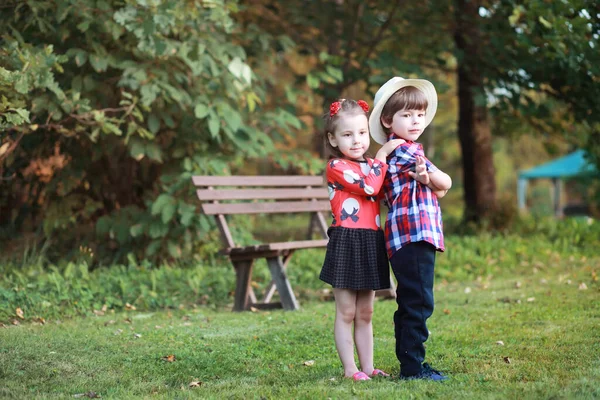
{"x":549,"y":327}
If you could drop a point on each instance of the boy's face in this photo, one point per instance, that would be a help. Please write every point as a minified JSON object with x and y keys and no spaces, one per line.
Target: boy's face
{"x":407,"y":124}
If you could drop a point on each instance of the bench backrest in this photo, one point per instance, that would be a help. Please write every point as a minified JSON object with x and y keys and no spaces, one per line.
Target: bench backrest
{"x":262,"y":194}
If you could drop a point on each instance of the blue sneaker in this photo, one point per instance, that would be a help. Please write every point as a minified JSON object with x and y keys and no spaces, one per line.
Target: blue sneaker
{"x":427,"y":373}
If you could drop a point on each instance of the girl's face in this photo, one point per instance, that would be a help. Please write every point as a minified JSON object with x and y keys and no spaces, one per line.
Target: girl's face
{"x":351,"y":136}
{"x":407,"y":124}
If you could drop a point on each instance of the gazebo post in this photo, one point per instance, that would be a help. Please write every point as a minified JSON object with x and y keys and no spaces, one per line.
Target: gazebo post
{"x":522,"y":194}
{"x":558,"y":211}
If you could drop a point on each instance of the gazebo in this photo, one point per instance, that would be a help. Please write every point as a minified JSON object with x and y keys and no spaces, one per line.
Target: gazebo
{"x":570,"y":166}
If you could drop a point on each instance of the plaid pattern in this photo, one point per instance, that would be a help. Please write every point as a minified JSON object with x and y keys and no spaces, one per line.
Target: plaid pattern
{"x":356,"y":259}
{"x":414,"y":212}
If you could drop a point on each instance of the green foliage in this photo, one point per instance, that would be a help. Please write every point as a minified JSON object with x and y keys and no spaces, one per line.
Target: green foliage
{"x":73,"y":289}
{"x":109,"y":107}
{"x":541,"y":64}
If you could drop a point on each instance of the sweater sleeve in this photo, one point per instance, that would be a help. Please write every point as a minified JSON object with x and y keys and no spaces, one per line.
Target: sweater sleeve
{"x":351,"y":177}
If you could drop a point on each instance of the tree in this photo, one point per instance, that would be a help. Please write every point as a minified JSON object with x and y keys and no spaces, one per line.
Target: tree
{"x":474,"y":131}
{"x":493,"y":47}
{"x":348,"y":47}
{"x":539,"y":62}
{"x":108,"y":108}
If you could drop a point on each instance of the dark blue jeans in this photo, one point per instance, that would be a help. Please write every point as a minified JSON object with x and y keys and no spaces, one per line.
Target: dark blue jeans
{"x":413,"y":267}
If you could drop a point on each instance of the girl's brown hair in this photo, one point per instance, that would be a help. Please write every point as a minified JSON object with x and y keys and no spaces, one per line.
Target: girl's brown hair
{"x":348,"y":107}
{"x":407,"y":98}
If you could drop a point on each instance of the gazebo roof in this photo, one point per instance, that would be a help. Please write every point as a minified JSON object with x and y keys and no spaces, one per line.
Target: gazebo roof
{"x":573,"y":164}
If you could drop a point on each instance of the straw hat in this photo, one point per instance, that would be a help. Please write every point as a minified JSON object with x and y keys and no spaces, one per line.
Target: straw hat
{"x":387,"y":90}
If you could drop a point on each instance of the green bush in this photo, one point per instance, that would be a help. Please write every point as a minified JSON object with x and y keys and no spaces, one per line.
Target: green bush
{"x":72,"y":288}
{"x":75,"y":290}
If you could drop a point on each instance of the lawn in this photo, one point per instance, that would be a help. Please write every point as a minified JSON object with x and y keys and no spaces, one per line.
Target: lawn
{"x":531,"y":334}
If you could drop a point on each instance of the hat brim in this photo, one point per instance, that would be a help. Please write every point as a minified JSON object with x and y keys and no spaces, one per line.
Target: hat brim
{"x":377,"y":132}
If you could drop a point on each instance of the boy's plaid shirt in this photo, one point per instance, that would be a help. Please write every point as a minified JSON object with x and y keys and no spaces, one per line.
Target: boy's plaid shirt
{"x":414,"y":212}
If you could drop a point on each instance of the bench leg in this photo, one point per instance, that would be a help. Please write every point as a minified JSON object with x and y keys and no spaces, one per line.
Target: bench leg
{"x":288,"y":299}
{"x":388,"y":293}
{"x":243,"y":290}
{"x":270,"y":291}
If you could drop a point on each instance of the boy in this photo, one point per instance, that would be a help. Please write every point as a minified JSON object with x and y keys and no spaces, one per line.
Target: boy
{"x":413,"y":230}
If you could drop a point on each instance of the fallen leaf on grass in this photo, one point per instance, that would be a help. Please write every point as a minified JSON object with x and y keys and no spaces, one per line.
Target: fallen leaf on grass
{"x":19,"y":313}
{"x":446,"y":311}
{"x":517,"y":285}
{"x":15,"y":322}
{"x":309,"y":363}
{"x":500,"y":343}
{"x":91,"y":395}
{"x":118,"y":331}
{"x":2,"y":325}
{"x":128,"y":320}
{"x":582,"y":286}
{"x":169,"y":358}
{"x":137,"y":335}
{"x":129,"y":307}
{"x":195,"y":384}
{"x":530,"y":299}
{"x":112,"y":321}
{"x":467,"y":290}
{"x":254,"y":309}
{"x":506,"y":360}
{"x":40,"y":320}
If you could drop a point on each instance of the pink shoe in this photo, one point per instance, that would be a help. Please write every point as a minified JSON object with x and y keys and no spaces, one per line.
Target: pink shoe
{"x":360,"y":376}
{"x":378,"y":372}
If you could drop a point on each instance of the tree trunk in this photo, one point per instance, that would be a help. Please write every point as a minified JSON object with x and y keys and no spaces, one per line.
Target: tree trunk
{"x":473,"y":123}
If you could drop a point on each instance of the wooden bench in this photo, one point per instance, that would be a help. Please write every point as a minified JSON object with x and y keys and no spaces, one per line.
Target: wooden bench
{"x":291,"y":194}
{"x":228,"y":195}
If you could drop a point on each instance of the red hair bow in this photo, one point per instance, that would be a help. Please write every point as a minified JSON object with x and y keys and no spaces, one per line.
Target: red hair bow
{"x":334,"y":108}
{"x":363,"y":104}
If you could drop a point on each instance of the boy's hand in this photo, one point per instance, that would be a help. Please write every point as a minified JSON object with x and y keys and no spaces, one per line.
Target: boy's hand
{"x":420,"y":174}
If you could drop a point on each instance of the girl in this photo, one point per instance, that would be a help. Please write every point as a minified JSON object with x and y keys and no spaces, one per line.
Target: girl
{"x":356,"y":262}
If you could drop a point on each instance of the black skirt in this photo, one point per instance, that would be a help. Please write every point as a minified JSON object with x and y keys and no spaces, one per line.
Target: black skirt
{"x":356,"y":259}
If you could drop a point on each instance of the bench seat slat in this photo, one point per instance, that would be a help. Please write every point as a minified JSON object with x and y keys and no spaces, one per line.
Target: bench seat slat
{"x":270,"y":194}
{"x":278,"y":246}
{"x":267,"y":208}
{"x":267,"y":180}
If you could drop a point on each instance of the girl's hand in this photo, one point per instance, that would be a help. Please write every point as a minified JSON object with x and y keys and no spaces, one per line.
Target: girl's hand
{"x":388,"y":148}
{"x":420,"y":174}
